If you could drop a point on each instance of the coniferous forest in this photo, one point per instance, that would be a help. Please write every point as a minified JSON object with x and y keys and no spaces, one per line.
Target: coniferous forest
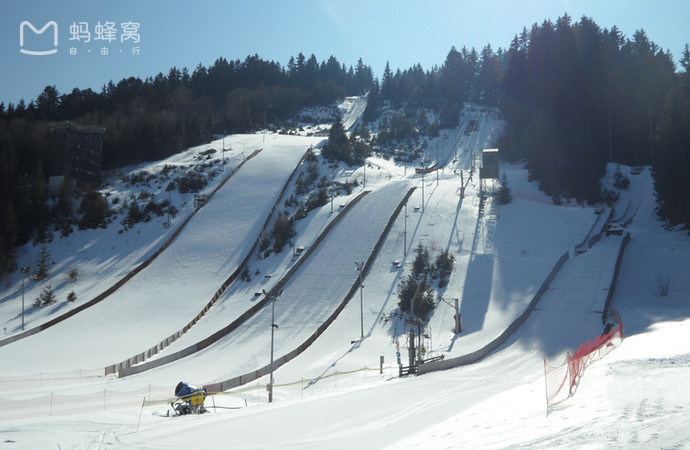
{"x":574,"y":97}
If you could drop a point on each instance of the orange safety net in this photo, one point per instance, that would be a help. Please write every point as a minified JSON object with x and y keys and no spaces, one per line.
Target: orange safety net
{"x":562,"y":381}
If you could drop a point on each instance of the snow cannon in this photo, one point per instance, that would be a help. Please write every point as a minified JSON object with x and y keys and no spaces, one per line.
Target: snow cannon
{"x":190,"y":399}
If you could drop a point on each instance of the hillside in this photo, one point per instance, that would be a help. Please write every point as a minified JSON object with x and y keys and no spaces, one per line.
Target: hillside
{"x":332,"y":393}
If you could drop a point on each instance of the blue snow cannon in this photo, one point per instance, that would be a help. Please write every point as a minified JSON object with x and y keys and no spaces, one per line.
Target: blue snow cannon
{"x":190,"y":399}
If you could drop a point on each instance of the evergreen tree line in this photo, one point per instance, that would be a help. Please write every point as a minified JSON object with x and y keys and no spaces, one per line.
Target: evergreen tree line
{"x":465,"y":75}
{"x":159,"y":116}
{"x":154,"y":118}
{"x":576,"y":96}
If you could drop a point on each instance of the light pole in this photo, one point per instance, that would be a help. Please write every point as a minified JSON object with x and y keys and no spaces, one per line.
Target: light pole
{"x":360,"y":268}
{"x":272,"y":297}
{"x":264,"y":125}
{"x":423,"y":170}
{"x":24,"y":270}
{"x":294,"y":234}
{"x":364,"y":181}
{"x":437,"y":164}
{"x":462,"y":184}
{"x":405,"y":232}
{"x":458,"y":328}
{"x":168,"y":209}
{"x":224,"y":133}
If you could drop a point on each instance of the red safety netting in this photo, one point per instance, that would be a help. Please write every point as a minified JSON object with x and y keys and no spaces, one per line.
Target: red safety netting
{"x":561,"y":381}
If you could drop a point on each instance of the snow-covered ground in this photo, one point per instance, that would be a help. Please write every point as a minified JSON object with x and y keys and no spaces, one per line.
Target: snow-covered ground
{"x":352,"y":109}
{"x":637,"y":396}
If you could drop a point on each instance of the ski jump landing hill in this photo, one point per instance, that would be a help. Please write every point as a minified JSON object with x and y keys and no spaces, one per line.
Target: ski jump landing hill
{"x":308,"y":301}
{"x":311,"y":298}
{"x":118,"y":284}
{"x":214,"y":243}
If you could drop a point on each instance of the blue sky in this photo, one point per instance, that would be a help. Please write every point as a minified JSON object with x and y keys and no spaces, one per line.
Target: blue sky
{"x":186,"y":33}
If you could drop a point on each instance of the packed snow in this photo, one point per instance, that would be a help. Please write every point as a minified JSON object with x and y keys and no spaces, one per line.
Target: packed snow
{"x":338,"y":393}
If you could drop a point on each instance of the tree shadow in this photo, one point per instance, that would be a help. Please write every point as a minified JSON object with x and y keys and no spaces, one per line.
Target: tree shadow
{"x":476,"y":293}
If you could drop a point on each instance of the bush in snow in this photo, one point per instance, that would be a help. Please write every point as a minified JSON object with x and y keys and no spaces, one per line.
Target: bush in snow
{"x":282,"y":232}
{"x":191,"y":182}
{"x":662,"y":284}
{"x":135,"y":215}
{"x":73,"y":274}
{"x":444,"y":264}
{"x":47,"y":297}
{"x":94,"y":211}
{"x":620,"y":181}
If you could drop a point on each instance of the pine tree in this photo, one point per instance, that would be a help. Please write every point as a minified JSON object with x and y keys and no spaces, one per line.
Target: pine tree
{"x":338,"y":146}
{"x":422,"y":262}
{"x":64,"y":213}
{"x":444,"y":264}
{"x":387,"y":83}
{"x":416,"y":296}
{"x":42,"y":264}
{"x":94,"y":210}
{"x":505,"y":195}
{"x":46,"y":298}
{"x":134,"y":214}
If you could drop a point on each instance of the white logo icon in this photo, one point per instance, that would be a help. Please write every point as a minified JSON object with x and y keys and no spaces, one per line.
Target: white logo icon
{"x":37,"y":31}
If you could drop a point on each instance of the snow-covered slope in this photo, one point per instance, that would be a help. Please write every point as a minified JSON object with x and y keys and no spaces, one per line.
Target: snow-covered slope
{"x":145,"y":310}
{"x":352,"y":109}
{"x":635,"y":397}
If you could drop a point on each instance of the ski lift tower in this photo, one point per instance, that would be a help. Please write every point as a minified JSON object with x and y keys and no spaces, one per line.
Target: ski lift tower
{"x":488,"y":171}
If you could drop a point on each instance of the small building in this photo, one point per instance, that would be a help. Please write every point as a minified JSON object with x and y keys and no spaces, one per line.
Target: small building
{"x":76,"y":152}
{"x":489,"y":168}
{"x":488,"y":171}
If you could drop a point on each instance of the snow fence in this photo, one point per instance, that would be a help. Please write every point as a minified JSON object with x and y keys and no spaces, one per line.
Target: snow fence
{"x":517,"y":323}
{"x":56,"y":404}
{"x":127,"y":364}
{"x":614,"y":280}
{"x":265,"y":370}
{"x":561,"y":382}
{"x":132,"y":368}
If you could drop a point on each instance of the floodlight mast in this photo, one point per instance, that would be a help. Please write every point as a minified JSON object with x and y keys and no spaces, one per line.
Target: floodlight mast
{"x":272,"y":298}
{"x":360,"y":268}
{"x":25,"y":272}
{"x":455,"y":304}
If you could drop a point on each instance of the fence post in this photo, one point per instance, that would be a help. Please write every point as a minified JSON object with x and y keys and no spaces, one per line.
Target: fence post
{"x":142,"y":410}
{"x":546,"y":389}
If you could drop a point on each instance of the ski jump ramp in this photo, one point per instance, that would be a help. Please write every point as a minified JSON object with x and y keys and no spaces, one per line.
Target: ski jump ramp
{"x":214,"y":243}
